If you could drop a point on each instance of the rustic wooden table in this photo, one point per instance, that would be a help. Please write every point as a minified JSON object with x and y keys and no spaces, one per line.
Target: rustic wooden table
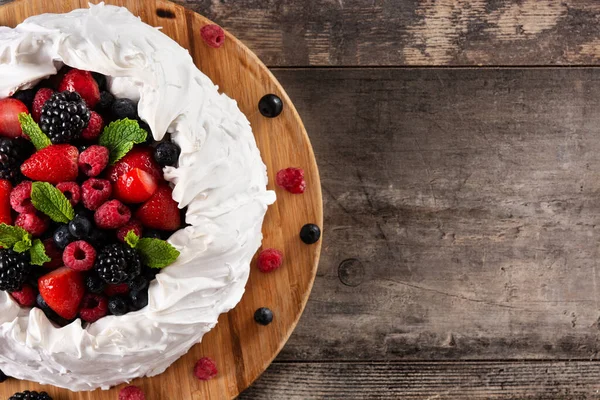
{"x":459,"y":151}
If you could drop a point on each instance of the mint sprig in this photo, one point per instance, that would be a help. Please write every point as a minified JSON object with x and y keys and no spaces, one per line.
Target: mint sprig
{"x":120,"y":136}
{"x":155,"y":253}
{"x":52,"y":202}
{"x":37,"y":252}
{"x":16,"y":238}
{"x":11,"y":235}
{"x":32,"y":130}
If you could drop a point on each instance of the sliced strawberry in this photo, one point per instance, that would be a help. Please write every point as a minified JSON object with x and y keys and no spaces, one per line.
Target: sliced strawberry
{"x":5,"y":208}
{"x":62,"y":289}
{"x":136,"y":186}
{"x":141,"y":157}
{"x":41,"y":97}
{"x":9,"y":117}
{"x":54,"y":164}
{"x":83,"y":83}
{"x":160,"y":211}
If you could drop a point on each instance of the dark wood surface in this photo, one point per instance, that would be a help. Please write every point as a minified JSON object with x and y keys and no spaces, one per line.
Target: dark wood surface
{"x":462,"y":205}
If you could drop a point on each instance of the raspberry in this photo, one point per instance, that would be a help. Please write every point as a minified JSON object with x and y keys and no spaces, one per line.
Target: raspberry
{"x":33,"y":223}
{"x":112,"y":215}
{"x":95,"y":192}
{"x":20,"y":198}
{"x":93,"y":160}
{"x":213,"y":35}
{"x":79,"y":256}
{"x":205,"y":369}
{"x":133,"y":225}
{"x":94,"y":128}
{"x":93,"y":307}
{"x":121,"y":288}
{"x":54,"y":253}
{"x":71,"y":190}
{"x":25,"y":297}
{"x":131,"y":393}
{"x":292,"y":180}
{"x":269,"y":260}
{"x":41,"y":97}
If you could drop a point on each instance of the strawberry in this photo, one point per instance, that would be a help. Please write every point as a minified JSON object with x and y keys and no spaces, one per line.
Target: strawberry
{"x":5,"y":208}
{"x":136,"y":186}
{"x":54,"y":164}
{"x":160,"y":211}
{"x":141,"y":157}
{"x":62,"y":289}
{"x":83,"y":83}
{"x":41,"y":97}
{"x":9,"y":117}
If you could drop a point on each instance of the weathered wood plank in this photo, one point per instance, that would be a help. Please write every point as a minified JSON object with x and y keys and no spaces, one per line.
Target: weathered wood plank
{"x":459,"y":380}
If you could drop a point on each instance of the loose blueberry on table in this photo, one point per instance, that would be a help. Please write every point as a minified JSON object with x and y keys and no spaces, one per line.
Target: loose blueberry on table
{"x":84,"y":207}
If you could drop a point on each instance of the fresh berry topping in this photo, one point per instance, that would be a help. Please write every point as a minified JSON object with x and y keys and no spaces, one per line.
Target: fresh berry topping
{"x":94,"y":128}
{"x":5,"y":202}
{"x":80,"y":226}
{"x":79,"y":256}
{"x":205,"y":369}
{"x":54,"y":164}
{"x":20,"y":198}
{"x":30,"y":395}
{"x":149,"y":138}
{"x":138,"y":299}
{"x":166,"y":154}
{"x":118,"y":263}
{"x":112,"y":215}
{"x":133,"y":225}
{"x":213,"y":35}
{"x":53,"y":253}
{"x":93,"y":160}
{"x":269,"y":260}
{"x":95,"y":192}
{"x":310,"y":233}
{"x":270,"y":106}
{"x":41,"y":97}
{"x":136,"y":186}
{"x":93,"y":307}
{"x":160,"y":211}
{"x":131,"y":393}
{"x":263,"y":316}
{"x":117,"y":305}
{"x":124,"y":108}
{"x":64,"y":116}
{"x":62,"y":237}
{"x":3,"y":377}
{"x":98,"y":238}
{"x":100,"y":80}
{"x":84,"y":84}
{"x":94,"y":284}
{"x":292,"y":180}
{"x":12,"y":154}
{"x":34,"y":223}
{"x":138,"y":283}
{"x":9,"y":117}
{"x":25,"y":297}
{"x":139,"y":157}
{"x":25,"y":96}
{"x":154,"y":234}
{"x":106,"y":101}
{"x":71,"y":190}
{"x":113,"y":290}
{"x":62,"y":289}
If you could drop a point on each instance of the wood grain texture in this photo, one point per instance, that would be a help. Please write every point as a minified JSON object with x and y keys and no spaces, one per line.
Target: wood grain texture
{"x":241,"y":347}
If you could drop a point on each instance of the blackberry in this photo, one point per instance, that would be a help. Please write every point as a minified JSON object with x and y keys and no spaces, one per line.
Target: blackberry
{"x":30,"y":395}
{"x":14,"y":269}
{"x":94,"y":283}
{"x":118,"y":263}
{"x":12,"y":154}
{"x":64,"y":116}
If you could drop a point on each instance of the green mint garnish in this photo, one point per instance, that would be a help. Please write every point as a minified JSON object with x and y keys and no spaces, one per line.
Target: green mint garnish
{"x":20,"y":241}
{"x":32,"y":130}
{"x":155,"y":253}
{"x":52,"y":202}
{"x":11,"y":235}
{"x":132,"y":239}
{"x":37,"y":252}
{"x":120,"y":136}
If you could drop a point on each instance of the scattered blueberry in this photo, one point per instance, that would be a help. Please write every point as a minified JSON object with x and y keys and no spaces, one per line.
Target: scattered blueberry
{"x":100,"y":80}
{"x":139,"y":299}
{"x":166,"y":153}
{"x":270,"y":106}
{"x":80,"y":227}
{"x":310,"y":233}
{"x":117,"y":305}
{"x":62,"y":237}
{"x":263,"y":316}
{"x":138,"y":283}
{"x":106,"y":102}
{"x":94,"y":284}
{"x":3,"y":376}
{"x":25,"y":96}
{"x":124,"y":108}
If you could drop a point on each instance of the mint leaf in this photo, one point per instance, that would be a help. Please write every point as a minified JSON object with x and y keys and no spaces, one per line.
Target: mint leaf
{"x":32,"y":130}
{"x":156,"y":253}
{"x":132,"y":239}
{"x":120,"y":136}
{"x":11,"y":235}
{"x":23,"y":245}
{"x":52,"y":202}
{"x":38,"y":253}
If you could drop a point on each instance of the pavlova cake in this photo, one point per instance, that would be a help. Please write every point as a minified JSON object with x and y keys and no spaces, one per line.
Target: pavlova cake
{"x":132,"y":196}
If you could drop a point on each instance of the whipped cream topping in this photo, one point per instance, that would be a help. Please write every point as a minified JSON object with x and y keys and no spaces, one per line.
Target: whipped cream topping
{"x":221,"y":179}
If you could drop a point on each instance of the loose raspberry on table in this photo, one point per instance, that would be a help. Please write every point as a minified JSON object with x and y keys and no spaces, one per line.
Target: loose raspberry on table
{"x":71,"y":190}
{"x":20,"y":198}
{"x":79,"y":256}
{"x":133,"y":225}
{"x":292,"y":180}
{"x":93,"y":160}
{"x":132,"y":393}
{"x":94,"y":128}
{"x":93,"y":307}
{"x":95,"y":192}
{"x":269,"y":260}
{"x":112,"y":215}
{"x":205,"y":369}
{"x":213,"y":35}
{"x":33,"y":223}
{"x":26,"y":296}
{"x":53,"y":253}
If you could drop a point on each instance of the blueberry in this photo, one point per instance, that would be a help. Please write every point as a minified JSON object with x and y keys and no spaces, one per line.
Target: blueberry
{"x":97,"y":238}
{"x":138,"y":299}
{"x":166,"y":153}
{"x":263,"y":316}
{"x":82,"y":147}
{"x":94,"y":284}
{"x":124,"y":108}
{"x":138,"y":283}
{"x":106,"y":102}
{"x":80,"y":210}
{"x":62,"y":237}
{"x":117,"y":305}
{"x":25,"y":96}
{"x":310,"y":233}
{"x":80,"y":227}
{"x":100,"y":79}
{"x":270,"y":106}
{"x":3,"y":376}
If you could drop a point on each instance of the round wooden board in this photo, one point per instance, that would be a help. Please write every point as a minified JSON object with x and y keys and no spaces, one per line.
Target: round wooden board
{"x":242,"y":348}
